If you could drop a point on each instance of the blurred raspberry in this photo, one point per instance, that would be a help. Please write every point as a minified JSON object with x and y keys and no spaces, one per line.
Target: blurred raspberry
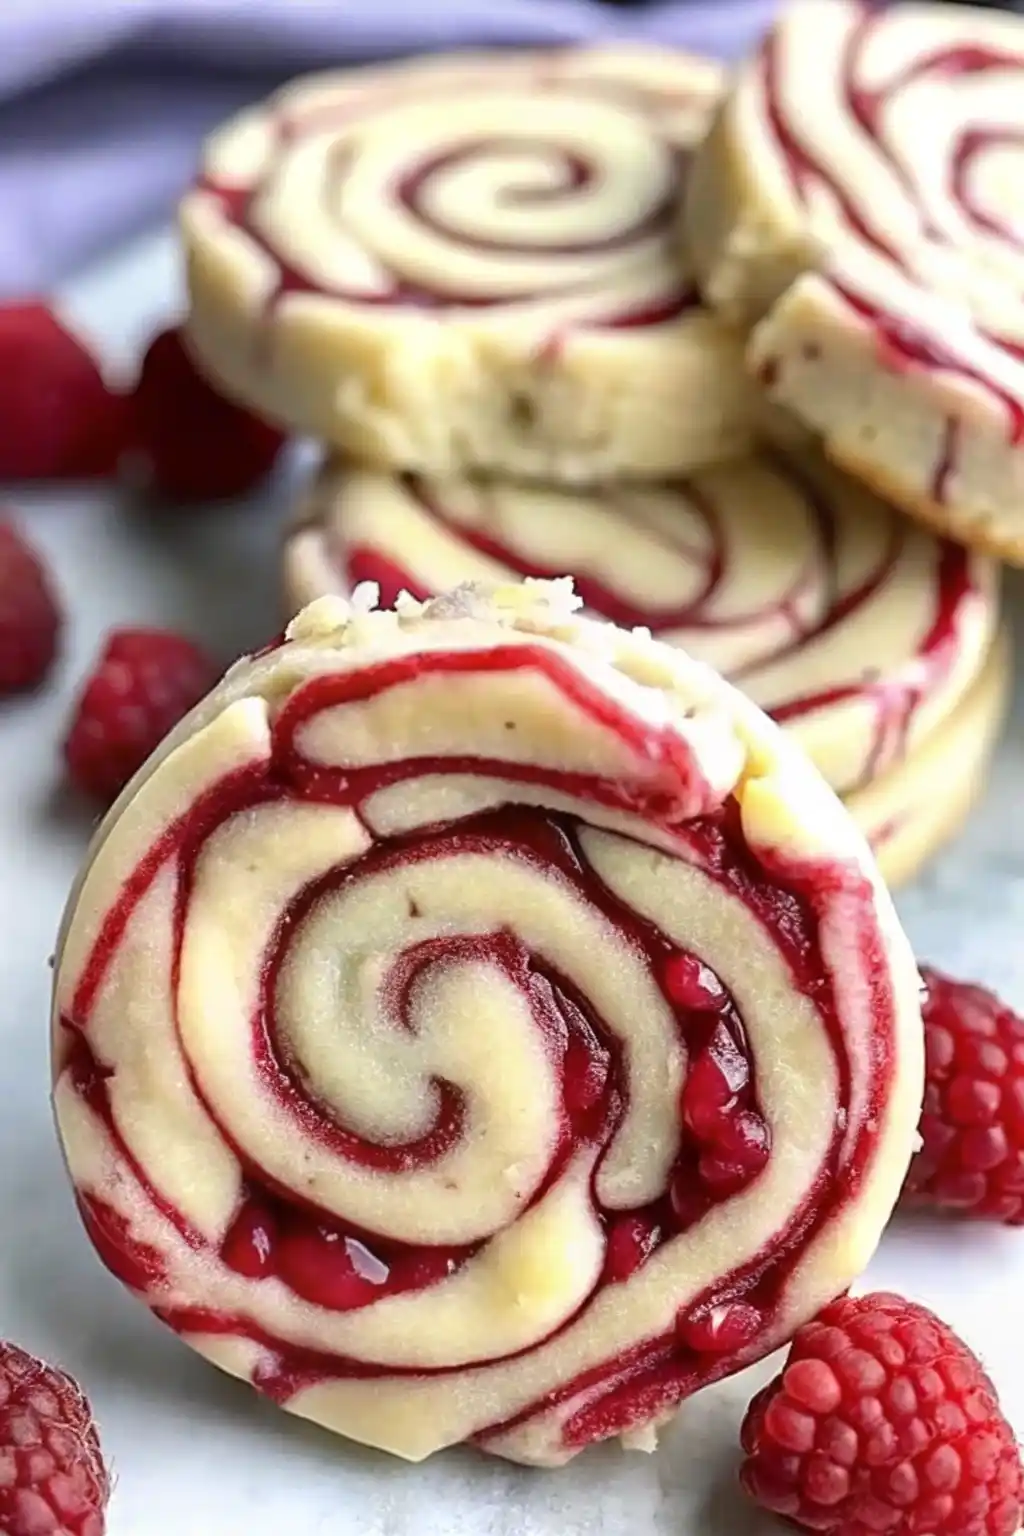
{"x":58,"y":419}
{"x":191,"y":443}
{"x":30,"y":619}
{"x":145,"y":681}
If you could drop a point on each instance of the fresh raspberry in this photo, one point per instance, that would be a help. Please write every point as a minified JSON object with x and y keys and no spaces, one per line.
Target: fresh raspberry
{"x":882,"y":1423}
{"x":52,"y":1478}
{"x":58,"y":419}
{"x":30,"y":619}
{"x":142,"y":685}
{"x":191,"y":443}
{"x":972,"y":1126}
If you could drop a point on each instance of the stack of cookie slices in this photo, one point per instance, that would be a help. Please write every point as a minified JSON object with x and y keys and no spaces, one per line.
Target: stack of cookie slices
{"x":701,"y":342}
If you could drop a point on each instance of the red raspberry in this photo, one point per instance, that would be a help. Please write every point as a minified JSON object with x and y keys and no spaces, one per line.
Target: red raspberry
{"x":972,"y":1126}
{"x":883,"y":1423}
{"x":142,"y":685}
{"x":30,"y":619}
{"x":192,"y":443}
{"x":58,"y":419}
{"x":52,"y":1478}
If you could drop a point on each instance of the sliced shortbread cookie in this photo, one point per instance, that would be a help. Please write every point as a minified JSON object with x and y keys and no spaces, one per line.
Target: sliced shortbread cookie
{"x":857,"y":203}
{"x":470,"y":262}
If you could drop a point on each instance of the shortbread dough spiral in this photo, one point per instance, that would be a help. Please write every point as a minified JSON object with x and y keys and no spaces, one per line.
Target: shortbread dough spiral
{"x":857,"y":631}
{"x":860,"y":189}
{"x":469,"y":261}
{"x":479,"y":1023}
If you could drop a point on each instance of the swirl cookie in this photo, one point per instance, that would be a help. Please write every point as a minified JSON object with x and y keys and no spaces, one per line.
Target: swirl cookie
{"x":857,"y":202}
{"x":479,"y":1023}
{"x":909,"y":813}
{"x":856,"y":630}
{"x":469,"y":263}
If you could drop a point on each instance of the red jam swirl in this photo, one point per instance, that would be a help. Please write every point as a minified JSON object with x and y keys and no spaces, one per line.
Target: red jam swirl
{"x":905,"y":345}
{"x":279,"y":1234}
{"x":894,"y":696}
{"x":564,"y":173}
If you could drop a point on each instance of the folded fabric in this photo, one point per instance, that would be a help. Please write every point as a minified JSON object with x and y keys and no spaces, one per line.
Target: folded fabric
{"x":102,"y":109}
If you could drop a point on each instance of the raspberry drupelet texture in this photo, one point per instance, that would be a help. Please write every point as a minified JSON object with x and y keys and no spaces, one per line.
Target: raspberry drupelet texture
{"x":883,"y":1423}
{"x":144,"y":682}
{"x":193,"y":444}
{"x":972,"y":1125}
{"x":30,"y":619}
{"x":52,"y":1478}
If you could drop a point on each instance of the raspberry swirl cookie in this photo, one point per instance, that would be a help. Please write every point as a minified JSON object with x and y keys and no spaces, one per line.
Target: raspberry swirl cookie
{"x":857,"y":631}
{"x":858,"y":202}
{"x":912,"y":811}
{"x":480,"y":1023}
{"x":469,"y":262}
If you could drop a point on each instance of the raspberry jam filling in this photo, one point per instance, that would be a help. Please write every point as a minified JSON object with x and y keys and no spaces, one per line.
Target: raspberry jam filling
{"x":725,"y":1141}
{"x":282,"y":1253}
{"x":905,"y":345}
{"x":561,"y":172}
{"x":817,"y":600}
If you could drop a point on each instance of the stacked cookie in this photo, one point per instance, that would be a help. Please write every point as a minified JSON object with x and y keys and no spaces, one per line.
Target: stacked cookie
{"x":857,"y":204}
{"x":465,"y":277}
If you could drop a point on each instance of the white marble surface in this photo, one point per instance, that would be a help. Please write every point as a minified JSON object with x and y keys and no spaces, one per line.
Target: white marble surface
{"x":195,"y":1454}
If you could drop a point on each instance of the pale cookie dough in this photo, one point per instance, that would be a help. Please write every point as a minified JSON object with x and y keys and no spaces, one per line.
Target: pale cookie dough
{"x":481,"y":1023}
{"x":918,"y":806}
{"x":857,"y":203}
{"x":469,"y":262}
{"x":856,"y":630}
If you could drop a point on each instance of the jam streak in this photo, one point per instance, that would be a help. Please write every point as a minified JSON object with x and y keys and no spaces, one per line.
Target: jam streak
{"x":566,"y":173}
{"x":724,"y":1139}
{"x":904,"y":345}
{"x":809,"y":169}
{"x":894,"y":698}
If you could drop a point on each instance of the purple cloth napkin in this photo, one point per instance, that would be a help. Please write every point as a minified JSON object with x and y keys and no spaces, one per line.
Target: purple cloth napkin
{"x":102,"y":107}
